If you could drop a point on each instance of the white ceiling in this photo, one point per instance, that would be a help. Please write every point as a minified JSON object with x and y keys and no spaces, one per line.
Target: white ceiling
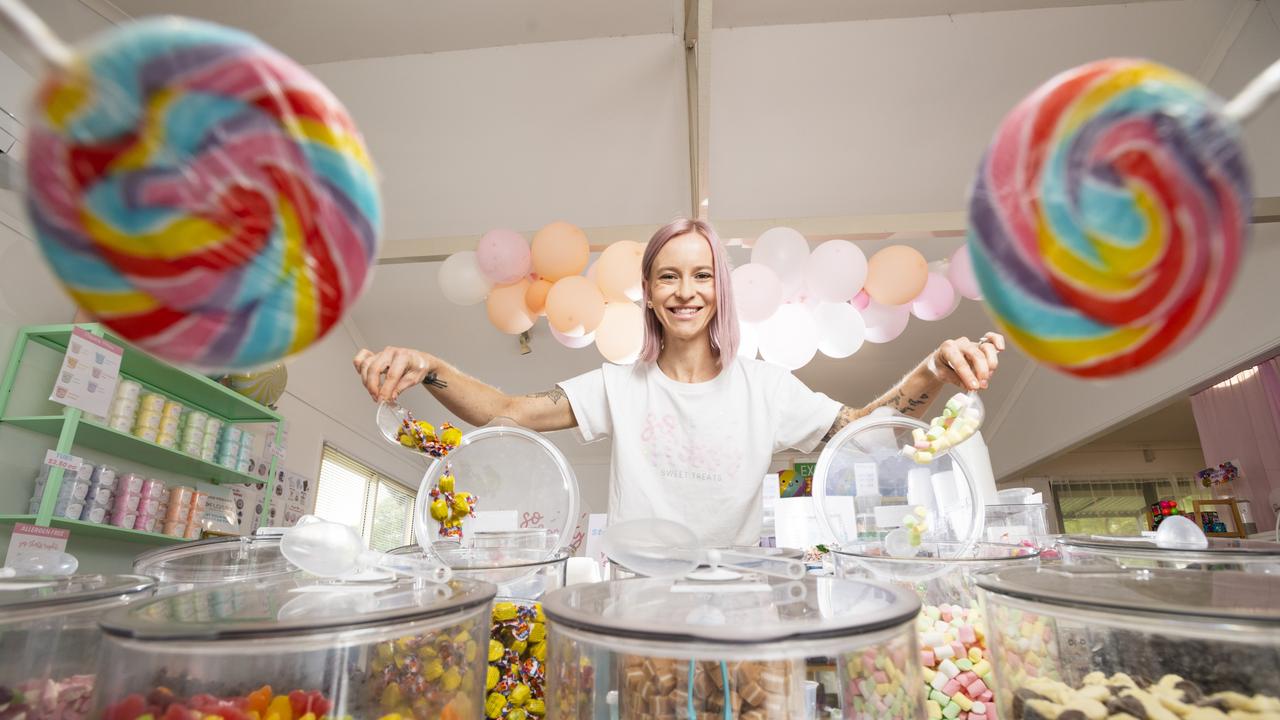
{"x":320,"y":31}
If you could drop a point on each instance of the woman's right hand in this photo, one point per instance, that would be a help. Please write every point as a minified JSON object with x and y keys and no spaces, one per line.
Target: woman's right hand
{"x":388,"y":373}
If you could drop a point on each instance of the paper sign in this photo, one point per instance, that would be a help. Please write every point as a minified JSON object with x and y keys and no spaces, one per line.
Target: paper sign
{"x":796,"y":525}
{"x":53,"y":458}
{"x":32,"y":541}
{"x":89,"y":374}
{"x":493,"y":521}
{"x":866,"y":479}
{"x":595,"y":535}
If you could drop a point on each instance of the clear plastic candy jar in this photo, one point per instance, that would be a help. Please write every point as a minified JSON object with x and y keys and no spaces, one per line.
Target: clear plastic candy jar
{"x":618,"y":571}
{"x":1258,"y":556}
{"x":728,"y":648}
{"x":49,"y":640}
{"x":216,"y":560}
{"x":291,"y":646}
{"x":1110,"y":642}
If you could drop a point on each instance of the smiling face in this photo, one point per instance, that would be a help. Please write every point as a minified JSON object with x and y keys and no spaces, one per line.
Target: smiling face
{"x":682,"y":287}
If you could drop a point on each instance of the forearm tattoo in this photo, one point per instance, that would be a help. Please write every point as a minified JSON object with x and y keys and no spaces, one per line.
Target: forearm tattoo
{"x":555,"y":395}
{"x":846,"y":416}
{"x":906,"y":405}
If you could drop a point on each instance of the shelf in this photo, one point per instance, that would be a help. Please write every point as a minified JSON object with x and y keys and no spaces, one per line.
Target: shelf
{"x":188,"y":387}
{"x":82,"y":529}
{"x":121,"y":444}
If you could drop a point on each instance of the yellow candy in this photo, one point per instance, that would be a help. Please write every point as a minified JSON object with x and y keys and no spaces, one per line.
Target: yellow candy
{"x":280,"y":708}
{"x":536,"y":706}
{"x":451,"y":437}
{"x":452,"y":679}
{"x":385,"y":650}
{"x":439,"y":509}
{"x":407,"y":440}
{"x":460,"y":504}
{"x":426,"y":429}
{"x":537,"y":632}
{"x":433,"y":670}
{"x":520,"y":646}
{"x":537,"y":613}
{"x":495,"y":650}
{"x":504,"y":611}
{"x":389,"y":716}
{"x":472,"y":650}
{"x":462,"y":637}
{"x":391,"y":697}
{"x":517,"y":714}
{"x":539,"y":652}
{"x":519,"y":694}
{"x":492,"y":678}
{"x":493,"y":705}
{"x":446,"y":483}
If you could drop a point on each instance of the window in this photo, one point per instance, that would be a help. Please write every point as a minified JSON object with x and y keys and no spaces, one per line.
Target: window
{"x":355,"y":494}
{"x":1117,"y":506}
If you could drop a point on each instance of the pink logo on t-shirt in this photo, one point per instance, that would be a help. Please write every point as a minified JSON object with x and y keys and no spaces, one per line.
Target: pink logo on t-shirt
{"x":702,"y":450}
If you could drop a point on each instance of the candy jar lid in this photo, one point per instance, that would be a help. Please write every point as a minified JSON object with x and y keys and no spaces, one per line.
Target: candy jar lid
{"x":1218,"y":549}
{"x":23,"y":597}
{"x":293,"y":606}
{"x":752,"y":610}
{"x":215,"y":560}
{"x":521,"y":483}
{"x":1232,"y":595}
{"x":867,"y":490}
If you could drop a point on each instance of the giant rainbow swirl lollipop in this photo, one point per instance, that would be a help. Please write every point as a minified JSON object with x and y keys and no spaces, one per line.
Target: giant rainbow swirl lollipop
{"x":1108,"y":215}
{"x":199,"y":192}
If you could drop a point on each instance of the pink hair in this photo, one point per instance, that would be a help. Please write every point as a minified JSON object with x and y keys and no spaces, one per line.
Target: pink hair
{"x":724,"y":325}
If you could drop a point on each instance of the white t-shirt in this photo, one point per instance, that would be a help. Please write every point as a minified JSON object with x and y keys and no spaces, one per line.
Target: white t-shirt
{"x":696,"y":452}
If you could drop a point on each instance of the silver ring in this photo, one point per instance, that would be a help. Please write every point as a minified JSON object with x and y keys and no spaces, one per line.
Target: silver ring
{"x":984,"y":339}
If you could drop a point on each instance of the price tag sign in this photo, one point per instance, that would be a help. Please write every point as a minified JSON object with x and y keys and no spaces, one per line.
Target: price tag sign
{"x":66,"y":461}
{"x":32,"y":541}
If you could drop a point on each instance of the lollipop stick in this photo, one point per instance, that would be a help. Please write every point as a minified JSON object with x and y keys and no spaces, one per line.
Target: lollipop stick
{"x":19,"y":18}
{"x":1255,"y":95}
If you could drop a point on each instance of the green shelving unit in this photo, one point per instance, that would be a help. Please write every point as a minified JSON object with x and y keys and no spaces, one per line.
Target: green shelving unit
{"x":71,"y":430}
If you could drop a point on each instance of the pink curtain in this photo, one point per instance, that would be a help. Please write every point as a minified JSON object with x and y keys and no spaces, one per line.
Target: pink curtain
{"x":1239,"y":420}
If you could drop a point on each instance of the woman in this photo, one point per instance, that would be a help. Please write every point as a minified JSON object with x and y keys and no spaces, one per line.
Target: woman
{"x":694,"y":426}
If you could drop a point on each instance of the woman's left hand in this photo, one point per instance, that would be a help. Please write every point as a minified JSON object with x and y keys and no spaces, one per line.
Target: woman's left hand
{"x":967,"y":363}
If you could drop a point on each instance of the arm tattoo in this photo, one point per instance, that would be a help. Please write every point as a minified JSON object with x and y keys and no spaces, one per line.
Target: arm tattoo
{"x":846,"y":416}
{"x":906,"y":405}
{"x":555,"y":395}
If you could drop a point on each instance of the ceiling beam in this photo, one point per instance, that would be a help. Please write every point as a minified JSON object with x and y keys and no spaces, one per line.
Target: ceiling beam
{"x":907,"y":227}
{"x":697,"y":66}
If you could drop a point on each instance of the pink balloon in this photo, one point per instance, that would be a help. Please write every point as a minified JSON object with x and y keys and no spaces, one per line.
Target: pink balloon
{"x":836,"y":271}
{"x":503,"y":256}
{"x":936,"y":301}
{"x":960,"y":273}
{"x":573,"y":343}
{"x":757,"y":292}
{"x":861,"y":299}
{"x":885,"y":322}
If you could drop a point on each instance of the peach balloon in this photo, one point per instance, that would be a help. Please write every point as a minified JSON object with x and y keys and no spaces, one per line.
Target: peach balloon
{"x":618,"y":271}
{"x":621,"y":332}
{"x":574,"y":305}
{"x":896,"y":275}
{"x":535,"y":298}
{"x":507,"y":310}
{"x":560,"y":249}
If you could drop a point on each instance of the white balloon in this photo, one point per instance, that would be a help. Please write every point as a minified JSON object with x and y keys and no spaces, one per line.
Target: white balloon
{"x":841,"y":329}
{"x":885,"y":322}
{"x":461,"y":280}
{"x":787,"y":252}
{"x":790,"y":337}
{"x":748,"y":340}
{"x":836,"y":271}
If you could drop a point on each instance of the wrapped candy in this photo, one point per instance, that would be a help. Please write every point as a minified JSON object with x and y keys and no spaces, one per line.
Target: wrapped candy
{"x":448,"y":506}
{"x":516,"y":682}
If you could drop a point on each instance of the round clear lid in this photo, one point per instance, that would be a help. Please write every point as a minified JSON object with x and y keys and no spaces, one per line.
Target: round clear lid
{"x":873,"y":486}
{"x":524,"y":491}
{"x":754,"y":609}
{"x":216,"y":560}
{"x":294,"y":606}
{"x":1218,"y":549}
{"x":1224,"y":595}
{"x":20,"y":595}
{"x":762,"y":552}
